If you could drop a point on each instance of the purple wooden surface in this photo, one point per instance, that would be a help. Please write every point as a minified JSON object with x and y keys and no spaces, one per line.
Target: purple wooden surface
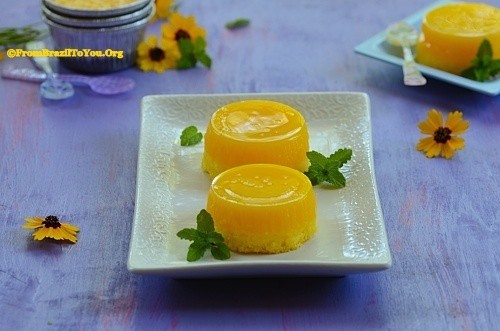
{"x":77,"y":159}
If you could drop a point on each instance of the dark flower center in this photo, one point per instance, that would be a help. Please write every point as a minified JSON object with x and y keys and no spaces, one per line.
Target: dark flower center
{"x":442,"y":135}
{"x":182,"y":34}
{"x":51,"y":222}
{"x":156,"y":54}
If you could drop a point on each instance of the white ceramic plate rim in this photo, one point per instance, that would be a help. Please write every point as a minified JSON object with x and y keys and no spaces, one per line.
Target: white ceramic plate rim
{"x":256,"y":267}
{"x":372,"y":48}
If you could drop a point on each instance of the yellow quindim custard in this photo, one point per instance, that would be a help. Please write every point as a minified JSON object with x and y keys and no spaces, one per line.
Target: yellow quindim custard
{"x":451,"y":35}
{"x":255,"y":131}
{"x":263,"y":208}
{"x":93,"y":4}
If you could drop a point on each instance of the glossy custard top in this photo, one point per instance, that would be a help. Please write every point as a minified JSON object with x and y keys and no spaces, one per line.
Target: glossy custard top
{"x":93,"y":4}
{"x":464,"y":19}
{"x":261,"y":185}
{"x":451,"y":35}
{"x":257,"y":121}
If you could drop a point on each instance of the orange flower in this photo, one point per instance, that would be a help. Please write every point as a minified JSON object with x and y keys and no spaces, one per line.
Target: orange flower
{"x":50,"y":227}
{"x":443,"y":140}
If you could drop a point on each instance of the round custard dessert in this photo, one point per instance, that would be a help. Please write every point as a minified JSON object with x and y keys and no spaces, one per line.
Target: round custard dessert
{"x":255,"y":131}
{"x":263,"y":208}
{"x":93,"y":4}
{"x":451,"y":35}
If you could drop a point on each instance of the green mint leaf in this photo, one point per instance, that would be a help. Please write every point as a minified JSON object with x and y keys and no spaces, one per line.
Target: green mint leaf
{"x":204,"y":59}
{"x":220,"y":252}
{"x":199,"y":45}
{"x":187,"y":59}
{"x":323,"y":169}
{"x":204,"y":222}
{"x":214,"y":238}
{"x":186,"y":62}
{"x":482,"y":74}
{"x":483,"y":66}
{"x":185,"y":46}
{"x":495,"y":67}
{"x":317,"y":158}
{"x":469,"y":73}
{"x":190,"y":234}
{"x":340,"y":157}
{"x":190,"y":136}
{"x":485,"y":49}
{"x":204,"y":237}
{"x":335,"y":177}
{"x":237,"y":23}
{"x":316,"y":174}
{"x":196,"y":251}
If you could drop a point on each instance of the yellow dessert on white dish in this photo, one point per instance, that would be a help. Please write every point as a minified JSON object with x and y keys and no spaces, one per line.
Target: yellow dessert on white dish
{"x":263,"y":208}
{"x":255,"y":131}
{"x":451,"y":35}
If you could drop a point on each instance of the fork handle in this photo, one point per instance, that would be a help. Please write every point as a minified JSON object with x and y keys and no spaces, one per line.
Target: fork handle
{"x":412,"y":76}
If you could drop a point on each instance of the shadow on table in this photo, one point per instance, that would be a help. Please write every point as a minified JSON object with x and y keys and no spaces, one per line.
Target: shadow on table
{"x":338,"y":299}
{"x":438,"y":94}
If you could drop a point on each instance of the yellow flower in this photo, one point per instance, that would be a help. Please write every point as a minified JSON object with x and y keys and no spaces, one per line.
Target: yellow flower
{"x":50,"y":227}
{"x":179,"y":26}
{"x":1,"y":55}
{"x":163,"y":8}
{"x":151,"y":56}
{"x":443,"y":140}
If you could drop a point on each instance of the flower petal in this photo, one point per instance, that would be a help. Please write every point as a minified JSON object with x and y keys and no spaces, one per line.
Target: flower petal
{"x":435,"y":118}
{"x":70,"y":227}
{"x":33,"y":223}
{"x":426,"y":127}
{"x":31,"y":226}
{"x":434,"y":150}
{"x":40,"y":234}
{"x":50,"y":233}
{"x":68,"y":236}
{"x":456,"y":143}
{"x":455,"y":123}
{"x":447,"y":151}
{"x":151,"y":41}
{"x":425,"y":144}
{"x":57,"y":234}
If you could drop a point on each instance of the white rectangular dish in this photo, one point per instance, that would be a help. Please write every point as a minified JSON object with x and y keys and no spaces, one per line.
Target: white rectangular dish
{"x":172,"y":189}
{"x":378,"y":48}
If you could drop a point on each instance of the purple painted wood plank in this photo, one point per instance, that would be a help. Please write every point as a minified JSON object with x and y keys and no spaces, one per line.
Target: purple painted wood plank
{"x":77,"y":159}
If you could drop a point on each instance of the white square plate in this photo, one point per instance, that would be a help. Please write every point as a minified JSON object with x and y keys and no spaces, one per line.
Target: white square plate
{"x":378,"y":48}
{"x":172,"y":189}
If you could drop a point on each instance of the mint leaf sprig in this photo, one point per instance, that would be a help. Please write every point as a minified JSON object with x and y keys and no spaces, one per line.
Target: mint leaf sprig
{"x":326,"y":169}
{"x":190,"y":136}
{"x":204,"y":237}
{"x":483,"y":65}
{"x":237,"y":23}
{"x":193,"y":52}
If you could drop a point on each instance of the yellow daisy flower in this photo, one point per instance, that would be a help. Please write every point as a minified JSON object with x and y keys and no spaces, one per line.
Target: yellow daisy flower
{"x":163,"y":8}
{"x":151,"y":56}
{"x":179,"y":26}
{"x":50,"y":227}
{"x":443,"y":140}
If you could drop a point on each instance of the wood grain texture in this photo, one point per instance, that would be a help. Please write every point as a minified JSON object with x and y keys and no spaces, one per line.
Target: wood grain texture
{"x":77,"y":159}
